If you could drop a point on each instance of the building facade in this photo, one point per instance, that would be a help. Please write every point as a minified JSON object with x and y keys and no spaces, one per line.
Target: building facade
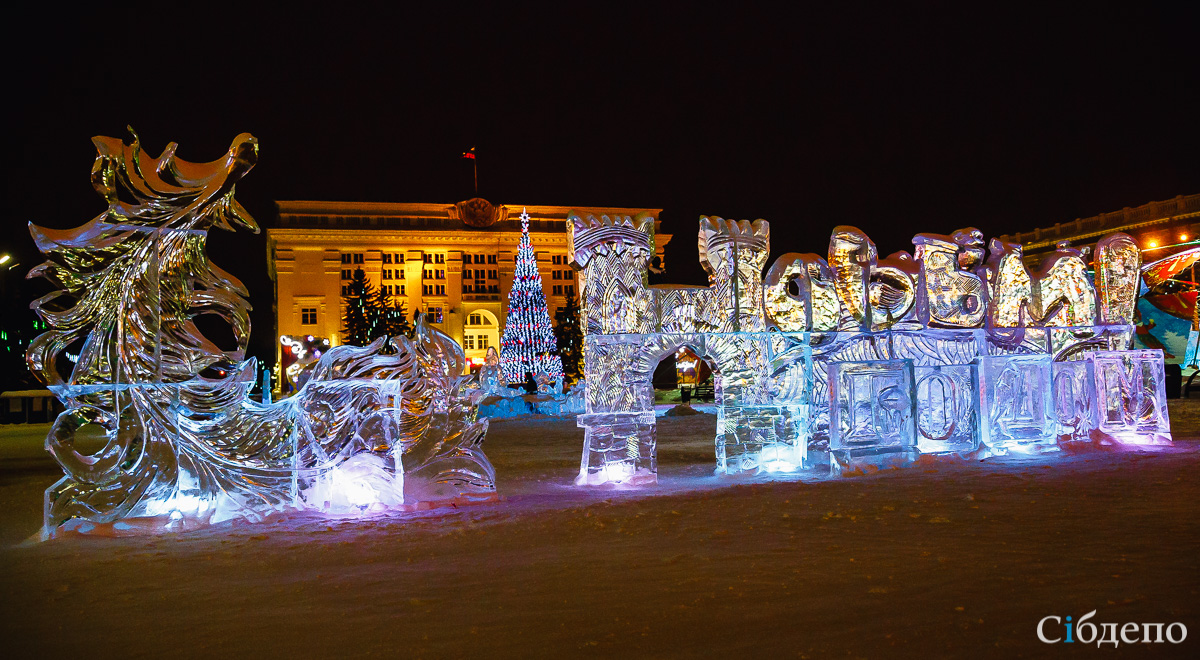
{"x":453,"y":262}
{"x":1158,"y":228}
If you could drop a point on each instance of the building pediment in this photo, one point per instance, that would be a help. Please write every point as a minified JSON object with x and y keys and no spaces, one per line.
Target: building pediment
{"x":478,"y":213}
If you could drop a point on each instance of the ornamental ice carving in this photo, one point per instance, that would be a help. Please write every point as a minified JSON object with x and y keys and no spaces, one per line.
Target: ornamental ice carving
{"x":184,"y":445}
{"x":833,"y":359}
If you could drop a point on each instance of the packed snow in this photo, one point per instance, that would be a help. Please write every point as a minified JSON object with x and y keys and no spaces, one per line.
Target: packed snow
{"x":942,"y":559}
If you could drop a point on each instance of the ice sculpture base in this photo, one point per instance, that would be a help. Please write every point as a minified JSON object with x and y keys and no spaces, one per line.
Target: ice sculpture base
{"x":618,"y":448}
{"x":845,"y":462}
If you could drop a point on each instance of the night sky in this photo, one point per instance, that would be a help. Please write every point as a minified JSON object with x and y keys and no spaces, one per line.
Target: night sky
{"x":897,"y":121}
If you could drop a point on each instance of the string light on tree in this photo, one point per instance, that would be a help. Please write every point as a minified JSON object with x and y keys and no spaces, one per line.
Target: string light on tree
{"x":528,"y":345}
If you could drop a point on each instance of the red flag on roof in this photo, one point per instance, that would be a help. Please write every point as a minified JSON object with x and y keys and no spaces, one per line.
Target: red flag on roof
{"x":469,"y":154}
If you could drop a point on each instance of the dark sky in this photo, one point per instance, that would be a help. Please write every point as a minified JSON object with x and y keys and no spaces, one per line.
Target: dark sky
{"x":896,"y":120}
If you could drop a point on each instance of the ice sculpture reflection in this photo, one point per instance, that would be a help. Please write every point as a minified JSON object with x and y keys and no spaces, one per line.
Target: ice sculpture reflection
{"x":373,"y":427}
{"x":837,"y":360}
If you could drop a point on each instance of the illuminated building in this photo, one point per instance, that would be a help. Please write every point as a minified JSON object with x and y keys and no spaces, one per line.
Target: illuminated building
{"x":1158,"y":227}
{"x":453,"y":262}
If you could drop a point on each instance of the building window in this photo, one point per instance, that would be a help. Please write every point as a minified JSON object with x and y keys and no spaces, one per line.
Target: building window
{"x":308,"y":316}
{"x":466,"y":288}
{"x":560,"y":310}
{"x":439,"y":258}
{"x":385,"y":274}
{"x":557,"y":260}
{"x":475,"y":319}
{"x":345,"y":257}
{"x":428,"y":258}
{"x":345,"y":290}
{"x":427,"y":274}
{"x":492,"y":275}
{"x":425,"y":289}
{"x":491,"y":258}
{"x":400,"y":288}
{"x":558,"y":289}
{"x":387,"y":257}
{"x":433,"y":314}
{"x":469,"y":342}
{"x":358,"y":257}
{"x":571,"y":290}
{"x":441,"y":290}
{"x":398,"y":258}
{"x":387,"y":289}
{"x":493,"y":288}
{"x":347,"y":274}
{"x":441,"y":274}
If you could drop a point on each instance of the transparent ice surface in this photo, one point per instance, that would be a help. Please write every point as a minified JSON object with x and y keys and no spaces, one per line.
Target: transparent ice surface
{"x":1131,"y":400}
{"x":871,"y":405}
{"x":1015,"y":404}
{"x":947,"y":408}
{"x":1073,"y":394}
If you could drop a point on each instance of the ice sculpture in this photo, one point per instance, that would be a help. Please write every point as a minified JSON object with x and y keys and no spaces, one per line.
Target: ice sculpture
{"x":184,"y":445}
{"x":871,"y":407}
{"x":951,"y":349}
{"x":1131,"y":396}
{"x":491,"y":377}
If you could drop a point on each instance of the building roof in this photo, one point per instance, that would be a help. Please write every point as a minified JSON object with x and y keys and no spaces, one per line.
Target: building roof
{"x":470,"y":215}
{"x":1085,"y":230}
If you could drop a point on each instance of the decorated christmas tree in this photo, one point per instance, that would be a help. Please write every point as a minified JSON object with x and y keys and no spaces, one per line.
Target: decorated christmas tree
{"x":528,"y":344}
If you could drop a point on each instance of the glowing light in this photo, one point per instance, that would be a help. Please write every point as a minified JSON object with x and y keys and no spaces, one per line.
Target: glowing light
{"x":1183,"y":237}
{"x":4,"y":259}
{"x":1152,"y":244}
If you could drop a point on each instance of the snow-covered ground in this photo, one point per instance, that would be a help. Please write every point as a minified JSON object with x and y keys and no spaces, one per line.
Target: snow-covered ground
{"x":949,"y":559}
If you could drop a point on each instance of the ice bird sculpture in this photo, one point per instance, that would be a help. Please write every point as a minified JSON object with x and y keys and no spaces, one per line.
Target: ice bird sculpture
{"x":182,"y":443}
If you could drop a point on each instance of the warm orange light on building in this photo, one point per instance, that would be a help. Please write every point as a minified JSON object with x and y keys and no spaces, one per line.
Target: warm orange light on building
{"x":1152,"y":244}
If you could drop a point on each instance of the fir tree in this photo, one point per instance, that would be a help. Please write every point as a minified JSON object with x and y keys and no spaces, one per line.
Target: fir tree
{"x":568,"y":331}
{"x":357,"y":321}
{"x":528,"y":342}
{"x":370,"y":313}
{"x":392,"y":318}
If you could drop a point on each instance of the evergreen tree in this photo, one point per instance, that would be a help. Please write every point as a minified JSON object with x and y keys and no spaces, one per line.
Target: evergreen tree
{"x":357,"y":321}
{"x":392,"y":318}
{"x":528,"y":342}
{"x":370,"y":313}
{"x":569,"y":334}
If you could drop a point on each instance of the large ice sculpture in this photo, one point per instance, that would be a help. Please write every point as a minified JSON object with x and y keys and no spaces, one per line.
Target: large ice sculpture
{"x":183,"y":444}
{"x":823,"y":360}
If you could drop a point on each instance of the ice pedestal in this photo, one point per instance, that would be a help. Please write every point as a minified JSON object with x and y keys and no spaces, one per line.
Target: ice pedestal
{"x":760,"y":438}
{"x":618,"y":448}
{"x":1016,"y":412}
{"x":1131,"y":400}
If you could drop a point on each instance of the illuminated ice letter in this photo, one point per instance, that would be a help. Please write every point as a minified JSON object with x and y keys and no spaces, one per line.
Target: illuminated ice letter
{"x":1073,"y":394}
{"x":949,"y":295}
{"x":946,"y":409}
{"x":1131,"y":400}
{"x":871,"y":408}
{"x":1014,"y":401}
